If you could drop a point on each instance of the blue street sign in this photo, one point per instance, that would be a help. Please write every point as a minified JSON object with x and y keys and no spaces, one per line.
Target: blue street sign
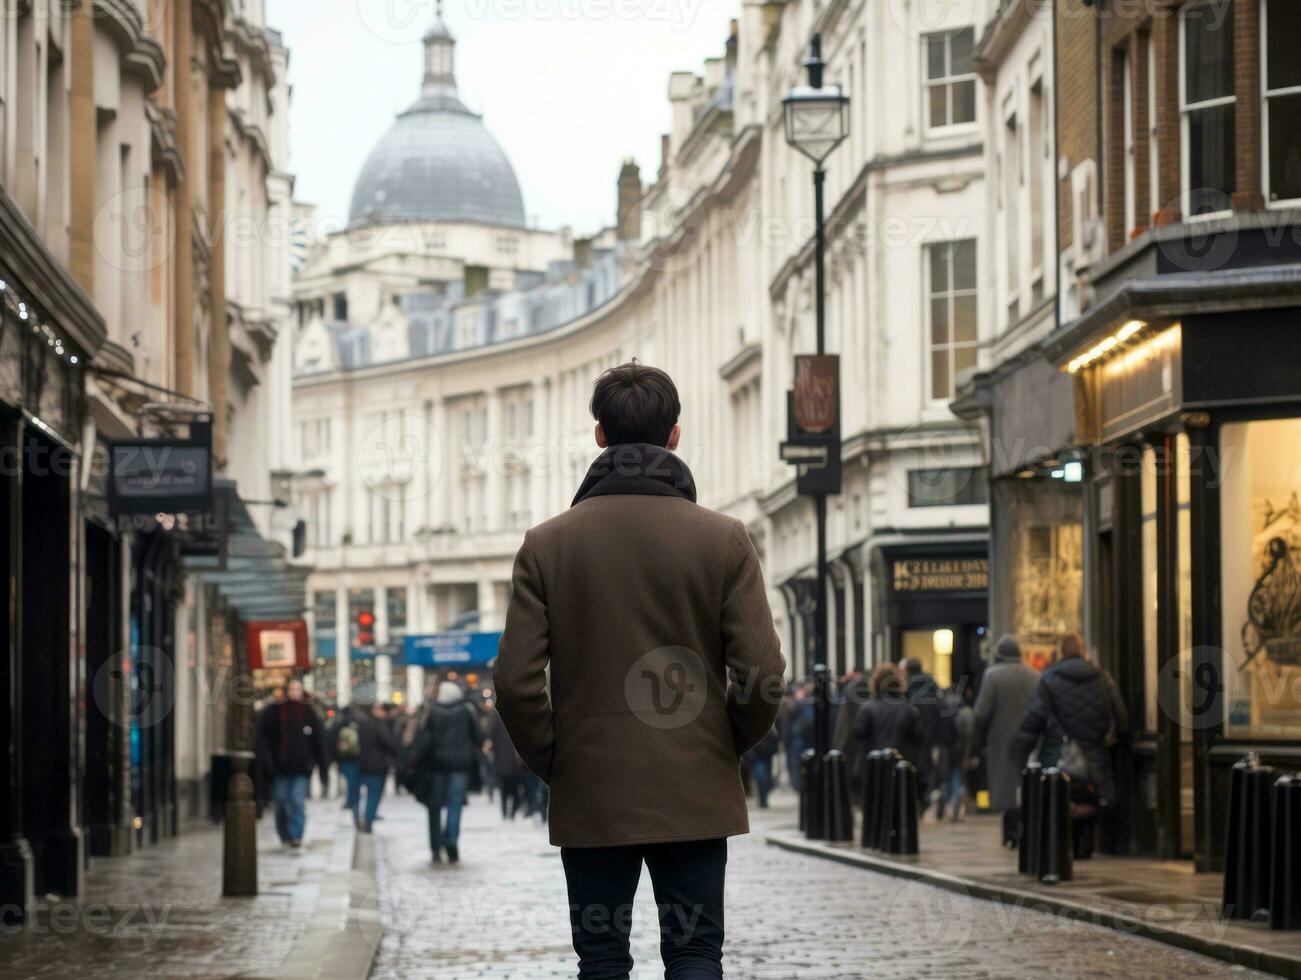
{"x":454,"y":649}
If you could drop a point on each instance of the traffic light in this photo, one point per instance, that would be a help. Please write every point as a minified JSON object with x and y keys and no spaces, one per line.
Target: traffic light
{"x":365,"y":631}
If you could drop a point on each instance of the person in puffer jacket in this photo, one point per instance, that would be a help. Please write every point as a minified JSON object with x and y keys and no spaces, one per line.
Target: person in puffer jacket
{"x":1076,"y":700}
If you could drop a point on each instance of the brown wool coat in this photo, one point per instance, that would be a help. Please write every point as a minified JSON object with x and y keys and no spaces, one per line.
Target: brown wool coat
{"x":664,"y":669}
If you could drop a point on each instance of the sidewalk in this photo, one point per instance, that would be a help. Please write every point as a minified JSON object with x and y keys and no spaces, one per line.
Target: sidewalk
{"x":1162,"y":900}
{"x":159,"y":912}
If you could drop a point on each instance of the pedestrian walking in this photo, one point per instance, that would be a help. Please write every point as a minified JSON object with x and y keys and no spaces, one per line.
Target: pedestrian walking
{"x":955,"y":757}
{"x":639,"y":663}
{"x":377,"y":748}
{"x":759,"y":760}
{"x":448,"y":753}
{"x":345,"y":746}
{"x":290,"y":743}
{"x":855,"y":692}
{"x":1076,"y":717}
{"x":935,"y":728}
{"x":888,"y":720}
{"x":507,"y":766}
{"x":1005,"y":693}
{"x":795,"y":725}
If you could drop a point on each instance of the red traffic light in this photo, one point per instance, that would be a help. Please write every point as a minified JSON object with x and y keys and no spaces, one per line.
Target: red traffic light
{"x":365,"y":619}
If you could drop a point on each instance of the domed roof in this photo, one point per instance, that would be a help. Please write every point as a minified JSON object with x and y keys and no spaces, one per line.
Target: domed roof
{"x":438,"y":162}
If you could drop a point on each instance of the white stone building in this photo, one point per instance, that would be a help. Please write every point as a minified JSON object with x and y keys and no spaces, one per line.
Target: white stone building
{"x":442,"y":378}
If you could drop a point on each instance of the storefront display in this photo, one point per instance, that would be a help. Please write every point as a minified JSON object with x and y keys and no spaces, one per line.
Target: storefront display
{"x":1260,"y":531}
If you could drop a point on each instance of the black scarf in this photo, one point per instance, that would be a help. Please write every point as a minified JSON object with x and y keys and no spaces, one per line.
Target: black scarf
{"x":637,"y":469}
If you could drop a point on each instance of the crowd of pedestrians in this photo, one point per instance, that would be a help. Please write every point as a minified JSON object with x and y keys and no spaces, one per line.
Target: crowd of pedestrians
{"x":977,"y":734}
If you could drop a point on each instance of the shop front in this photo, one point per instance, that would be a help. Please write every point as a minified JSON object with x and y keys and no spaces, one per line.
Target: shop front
{"x":48,"y":331}
{"x":932,"y":604}
{"x":1188,"y":401}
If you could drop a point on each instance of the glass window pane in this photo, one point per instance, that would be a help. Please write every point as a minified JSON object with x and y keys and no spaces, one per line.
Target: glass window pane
{"x":964,"y":319}
{"x":940,"y":386}
{"x":1284,"y":51}
{"x":939,"y":321}
{"x":939,"y":268}
{"x":935,"y":56}
{"x":964,"y":358}
{"x":1212,"y":166}
{"x":960,"y":52}
{"x":1208,"y":51}
{"x":964,"y":102}
{"x":964,"y":266}
{"x":1149,"y":587}
{"x":1285,"y":147}
{"x":939,"y":107}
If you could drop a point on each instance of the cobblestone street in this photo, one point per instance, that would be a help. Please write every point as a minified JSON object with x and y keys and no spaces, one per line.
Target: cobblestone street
{"x":502,"y":914}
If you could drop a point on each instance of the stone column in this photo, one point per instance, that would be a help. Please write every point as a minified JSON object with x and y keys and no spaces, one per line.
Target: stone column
{"x":488,"y":605}
{"x":81,"y":149}
{"x":538,"y":459}
{"x":184,"y":330}
{"x":440,"y":467}
{"x":219,"y":336}
{"x":491,"y":457}
{"x":342,"y":647}
{"x":383,"y":661}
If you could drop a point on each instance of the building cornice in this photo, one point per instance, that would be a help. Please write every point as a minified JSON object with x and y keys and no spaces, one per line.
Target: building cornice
{"x":141,"y":54}
{"x":46,"y":281}
{"x":855,"y":196}
{"x":1002,"y":33}
{"x":166,"y":151}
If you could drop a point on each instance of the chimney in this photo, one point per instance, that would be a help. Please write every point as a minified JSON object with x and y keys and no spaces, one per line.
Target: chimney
{"x":628,"y":220}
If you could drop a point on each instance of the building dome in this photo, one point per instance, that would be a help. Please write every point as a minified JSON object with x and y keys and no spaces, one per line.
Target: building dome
{"x":438,"y":162}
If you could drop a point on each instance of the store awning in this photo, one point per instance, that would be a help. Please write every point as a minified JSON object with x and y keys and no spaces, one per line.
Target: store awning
{"x":257,"y":578}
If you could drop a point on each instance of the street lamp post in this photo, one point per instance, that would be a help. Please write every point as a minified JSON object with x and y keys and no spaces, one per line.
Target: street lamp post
{"x":817,"y":121}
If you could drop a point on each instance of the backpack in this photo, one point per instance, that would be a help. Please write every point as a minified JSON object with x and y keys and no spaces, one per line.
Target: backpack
{"x":347,"y":744}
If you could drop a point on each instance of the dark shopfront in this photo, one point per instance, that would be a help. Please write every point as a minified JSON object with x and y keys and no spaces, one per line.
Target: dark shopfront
{"x":1189,"y":399}
{"x":932,"y":604}
{"x":47,"y":326}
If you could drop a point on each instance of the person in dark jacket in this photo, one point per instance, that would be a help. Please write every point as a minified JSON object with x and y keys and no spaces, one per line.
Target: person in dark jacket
{"x":759,"y":763}
{"x":343,"y":745}
{"x":1076,"y":701}
{"x":290,"y":743}
{"x":888,"y":720}
{"x":453,"y":737}
{"x":935,"y":727}
{"x":508,"y":767}
{"x":855,"y":693}
{"x":1005,"y":694}
{"x":378,"y":748}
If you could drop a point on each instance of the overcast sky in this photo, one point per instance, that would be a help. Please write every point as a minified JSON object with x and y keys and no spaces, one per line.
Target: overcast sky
{"x":569,"y":87}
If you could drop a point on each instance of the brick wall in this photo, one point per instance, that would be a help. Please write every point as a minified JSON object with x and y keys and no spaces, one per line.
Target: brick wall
{"x":1076,"y":101}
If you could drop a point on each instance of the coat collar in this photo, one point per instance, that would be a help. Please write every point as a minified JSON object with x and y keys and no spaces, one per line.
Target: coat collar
{"x":637,"y":469}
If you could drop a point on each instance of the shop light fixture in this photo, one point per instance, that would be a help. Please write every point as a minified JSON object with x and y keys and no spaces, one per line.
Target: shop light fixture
{"x":1105,"y":346}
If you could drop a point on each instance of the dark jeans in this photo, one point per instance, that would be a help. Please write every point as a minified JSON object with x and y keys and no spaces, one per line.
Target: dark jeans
{"x":688,"y":881}
{"x":761,"y":770}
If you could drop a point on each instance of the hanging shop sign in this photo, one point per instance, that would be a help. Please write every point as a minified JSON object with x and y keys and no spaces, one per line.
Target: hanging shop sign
{"x":453,"y":649}
{"x":152,"y":476}
{"x":813,"y":424}
{"x":278,"y":645}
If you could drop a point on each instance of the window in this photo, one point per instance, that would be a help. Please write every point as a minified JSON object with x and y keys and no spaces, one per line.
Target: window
{"x":340,"y":302}
{"x":1131,"y":164}
{"x":952,"y":288}
{"x":323,"y":605}
{"x":396,"y":600}
{"x":1154,"y":203}
{"x":1038,"y":151}
{"x":956,"y":486}
{"x":1282,"y":123}
{"x":1209,"y":107}
{"x":1012,"y":214}
{"x":950,"y":79}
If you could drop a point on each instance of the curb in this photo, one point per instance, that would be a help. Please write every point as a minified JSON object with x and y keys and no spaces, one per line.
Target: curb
{"x":1237,"y":954}
{"x":335,"y":947}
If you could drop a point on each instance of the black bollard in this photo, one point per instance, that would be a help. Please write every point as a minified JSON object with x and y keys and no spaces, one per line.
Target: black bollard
{"x":1285,"y":894}
{"x":1247,"y":859}
{"x":813,"y":789}
{"x":902,"y":832}
{"x":1057,"y":840}
{"x":239,"y":844}
{"x":839,"y":817}
{"x":1027,"y":848}
{"x":805,"y":758}
{"x":871,"y":799}
{"x":885,"y":797}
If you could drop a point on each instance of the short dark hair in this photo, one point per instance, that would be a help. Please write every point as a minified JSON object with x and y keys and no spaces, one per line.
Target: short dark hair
{"x":636,"y":403}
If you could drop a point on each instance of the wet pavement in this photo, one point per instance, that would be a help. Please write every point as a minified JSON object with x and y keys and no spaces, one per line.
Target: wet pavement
{"x":502,"y":914}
